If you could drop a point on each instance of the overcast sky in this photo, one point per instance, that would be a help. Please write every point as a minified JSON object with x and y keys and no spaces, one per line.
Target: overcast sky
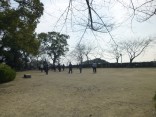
{"x":53,"y":10}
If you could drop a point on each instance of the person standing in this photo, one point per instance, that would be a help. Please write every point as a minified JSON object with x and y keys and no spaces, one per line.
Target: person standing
{"x":94,"y":65}
{"x":70,"y":68}
{"x":80,"y":67}
{"x":46,"y":68}
{"x":59,"y":67}
{"x":54,"y":67}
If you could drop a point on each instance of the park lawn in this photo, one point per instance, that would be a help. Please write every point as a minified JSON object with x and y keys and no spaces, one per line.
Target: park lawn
{"x":111,"y":92}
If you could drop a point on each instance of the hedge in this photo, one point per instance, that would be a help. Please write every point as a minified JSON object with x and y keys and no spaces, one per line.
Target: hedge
{"x":6,"y":73}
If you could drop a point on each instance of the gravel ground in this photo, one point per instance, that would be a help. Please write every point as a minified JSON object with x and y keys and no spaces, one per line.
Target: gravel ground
{"x":108,"y":93}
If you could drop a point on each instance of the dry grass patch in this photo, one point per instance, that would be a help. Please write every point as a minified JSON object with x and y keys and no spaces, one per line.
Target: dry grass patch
{"x":109,"y":93}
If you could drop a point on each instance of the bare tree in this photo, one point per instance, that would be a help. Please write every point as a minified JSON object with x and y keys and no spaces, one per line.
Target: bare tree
{"x":88,"y":50}
{"x":135,"y":47}
{"x":79,"y":52}
{"x":116,"y":51}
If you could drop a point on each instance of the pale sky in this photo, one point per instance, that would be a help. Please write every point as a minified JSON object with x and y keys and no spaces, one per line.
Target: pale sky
{"x":54,"y":9}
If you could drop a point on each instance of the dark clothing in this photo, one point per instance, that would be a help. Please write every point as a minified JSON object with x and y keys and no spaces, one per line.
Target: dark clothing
{"x":94,"y":69}
{"x":80,"y":68}
{"x":54,"y":67}
{"x":70,"y":68}
{"x":94,"y":65}
{"x":59,"y":67}
{"x":46,"y":69}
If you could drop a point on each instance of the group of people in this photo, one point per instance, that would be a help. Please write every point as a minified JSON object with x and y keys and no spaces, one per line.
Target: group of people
{"x":45,"y":67}
{"x":59,"y":67}
{"x":94,"y":66}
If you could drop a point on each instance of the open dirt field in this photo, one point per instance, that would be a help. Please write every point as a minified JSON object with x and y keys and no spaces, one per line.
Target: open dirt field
{"x":109,"y":93}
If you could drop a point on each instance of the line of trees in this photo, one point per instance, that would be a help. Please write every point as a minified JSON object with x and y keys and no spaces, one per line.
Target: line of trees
{"x":132,"y":48}
{"x":19,"y":44}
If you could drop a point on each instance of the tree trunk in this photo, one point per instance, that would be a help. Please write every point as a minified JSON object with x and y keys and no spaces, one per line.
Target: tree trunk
{"x":131,"y":60}
{"x":130,"y":63}
{"x":54,"y":60}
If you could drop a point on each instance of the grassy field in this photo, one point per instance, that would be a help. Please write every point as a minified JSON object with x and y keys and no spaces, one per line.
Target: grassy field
{"x":108,"y":93}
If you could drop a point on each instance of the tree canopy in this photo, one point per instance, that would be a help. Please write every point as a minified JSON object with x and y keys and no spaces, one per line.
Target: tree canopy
{"x":17,"y":29}
{"x":54,"y":44}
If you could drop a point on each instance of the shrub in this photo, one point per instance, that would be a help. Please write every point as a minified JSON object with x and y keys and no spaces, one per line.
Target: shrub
{"x":6,"y":73}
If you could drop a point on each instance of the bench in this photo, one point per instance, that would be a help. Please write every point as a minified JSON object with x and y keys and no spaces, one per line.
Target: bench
{"x":27,"y":76}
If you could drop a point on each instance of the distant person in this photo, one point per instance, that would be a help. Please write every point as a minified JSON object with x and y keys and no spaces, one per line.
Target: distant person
{"x":63,"y":67}
{"x":54,"y":67}
{"x":46,"y":68}
{"x":70,"y":68}
{"x":59,"y":67}
{"x":80,"y":68}
{"x":94,"y":65}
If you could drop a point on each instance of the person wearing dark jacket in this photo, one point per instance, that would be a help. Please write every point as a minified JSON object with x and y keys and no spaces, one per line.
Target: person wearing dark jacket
{"x":80,"y":68}
{"x":94,"y":65}
{"x":59,"y":67}
{"x":70,"y":68}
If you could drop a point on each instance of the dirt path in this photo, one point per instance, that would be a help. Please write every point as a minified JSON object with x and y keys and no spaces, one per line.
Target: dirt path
{"x":109,"y":93}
